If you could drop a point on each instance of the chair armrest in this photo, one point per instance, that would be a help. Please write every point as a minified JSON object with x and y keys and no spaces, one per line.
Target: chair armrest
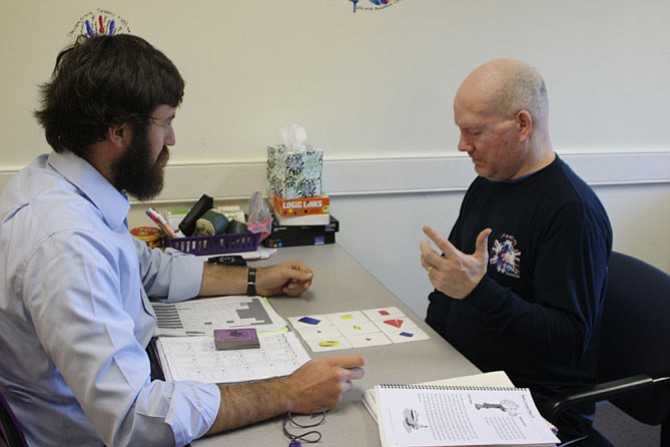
{"x":602,"y":391}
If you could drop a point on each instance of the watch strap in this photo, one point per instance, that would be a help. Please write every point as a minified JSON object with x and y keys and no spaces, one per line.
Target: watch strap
{"x":251,"y":282}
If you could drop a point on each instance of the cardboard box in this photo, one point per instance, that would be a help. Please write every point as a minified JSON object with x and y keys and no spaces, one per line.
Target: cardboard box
{"x":292,"y":236}
{"x":309,"y":219}
{"x":287,"y":240}
{"x":301,"y":206}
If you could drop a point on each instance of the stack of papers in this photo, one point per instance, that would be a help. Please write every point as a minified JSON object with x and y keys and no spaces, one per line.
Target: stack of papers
{"x":187,"y":344}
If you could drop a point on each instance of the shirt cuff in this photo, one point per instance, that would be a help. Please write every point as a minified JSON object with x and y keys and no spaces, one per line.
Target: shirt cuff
{"x":185,"y":277}
{"x":197,"y":411}
{"x":486,"y":297}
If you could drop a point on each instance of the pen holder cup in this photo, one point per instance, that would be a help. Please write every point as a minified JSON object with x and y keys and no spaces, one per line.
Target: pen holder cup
{"x":213,"y":245}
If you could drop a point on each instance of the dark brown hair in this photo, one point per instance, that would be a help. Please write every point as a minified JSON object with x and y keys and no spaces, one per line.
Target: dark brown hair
{"x":103,"y":81}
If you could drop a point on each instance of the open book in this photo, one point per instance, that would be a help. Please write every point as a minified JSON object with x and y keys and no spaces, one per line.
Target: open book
{"x":479,"y":410}
{"x":489,"y":379}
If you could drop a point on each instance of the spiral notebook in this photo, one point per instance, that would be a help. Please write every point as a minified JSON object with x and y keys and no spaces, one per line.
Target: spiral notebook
{"x":437,"y":415}
{"x":486,"y":379}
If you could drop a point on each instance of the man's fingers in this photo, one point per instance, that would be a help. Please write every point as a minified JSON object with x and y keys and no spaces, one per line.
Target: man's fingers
{"x":433,"y":235}
{"x":353,"y":369}
{"x":297,"y":265}
{"x":354,"y":373}
{"x":442,"y":242}
{"x":299,"y":275}
{"x":426,"y":251}
{"x":349,"y":361}
{"x":429,"y":257}
{"x":482,"y":243}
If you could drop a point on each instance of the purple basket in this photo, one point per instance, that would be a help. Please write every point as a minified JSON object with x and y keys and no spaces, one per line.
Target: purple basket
{"x":213,"y":245}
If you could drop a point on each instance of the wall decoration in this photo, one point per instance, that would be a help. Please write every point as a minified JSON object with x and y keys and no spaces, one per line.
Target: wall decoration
{"x":375,"y":5}
{"x":100,"y":21}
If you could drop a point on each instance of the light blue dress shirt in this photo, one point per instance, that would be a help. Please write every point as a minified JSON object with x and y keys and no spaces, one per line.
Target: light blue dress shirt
{"x":75,"y":318}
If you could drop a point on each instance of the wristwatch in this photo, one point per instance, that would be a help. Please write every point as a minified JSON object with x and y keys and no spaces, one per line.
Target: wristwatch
{"x":251,"y":282}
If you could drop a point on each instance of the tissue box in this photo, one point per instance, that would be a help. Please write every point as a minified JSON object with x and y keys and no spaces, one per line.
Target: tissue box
{"x":294,"y":174}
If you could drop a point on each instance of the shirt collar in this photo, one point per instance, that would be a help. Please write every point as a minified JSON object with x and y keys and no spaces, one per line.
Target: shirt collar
{"x":524,"y":177}
{"x":112,"y":203}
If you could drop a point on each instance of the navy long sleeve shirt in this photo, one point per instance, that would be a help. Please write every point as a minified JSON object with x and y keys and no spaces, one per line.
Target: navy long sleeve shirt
{"x":536,"y":313}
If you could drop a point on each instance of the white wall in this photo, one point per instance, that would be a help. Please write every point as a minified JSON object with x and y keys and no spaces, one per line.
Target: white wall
{"x":374,"y":90}
{"x":370,"y":84}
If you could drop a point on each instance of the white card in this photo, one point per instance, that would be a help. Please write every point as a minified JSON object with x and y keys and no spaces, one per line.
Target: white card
{"x":365,"y":327}
{"x":309,"y":321}
{"x":395,"y":324}
{"x":404,"y":336}
{"x":328,"y":344}
{"x":347,"y":318}
{"x":374,"y":339}
{"x":383,"y":313}
{"x":308,"y":333}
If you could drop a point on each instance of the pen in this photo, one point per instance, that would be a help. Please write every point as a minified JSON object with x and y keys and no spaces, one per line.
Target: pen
{"x":160,"y":220}
{"x":152,"y":217}
{"x":162,"y":223}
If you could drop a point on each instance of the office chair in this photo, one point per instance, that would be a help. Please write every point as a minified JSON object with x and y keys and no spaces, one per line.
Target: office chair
{"x":633,"y":366}
{"x":10,"y":429}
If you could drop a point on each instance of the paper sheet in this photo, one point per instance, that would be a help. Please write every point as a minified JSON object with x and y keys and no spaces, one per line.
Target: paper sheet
{"x":416,"y":415}
{"x":196,"y":358}
{"x":202,"y":316}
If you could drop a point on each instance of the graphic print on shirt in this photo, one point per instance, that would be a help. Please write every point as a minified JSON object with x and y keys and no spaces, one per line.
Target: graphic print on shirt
{"x":505,"y":256}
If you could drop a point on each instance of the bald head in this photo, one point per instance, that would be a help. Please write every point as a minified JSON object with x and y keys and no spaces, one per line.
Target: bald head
{"x":502,"y":112}
{"x":502,"y":87}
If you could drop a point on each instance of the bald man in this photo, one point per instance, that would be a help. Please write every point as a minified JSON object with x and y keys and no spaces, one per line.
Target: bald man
{"x":520,"y":281}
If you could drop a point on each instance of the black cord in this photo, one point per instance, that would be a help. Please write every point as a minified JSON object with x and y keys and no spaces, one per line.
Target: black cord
{"x":311,"y":436}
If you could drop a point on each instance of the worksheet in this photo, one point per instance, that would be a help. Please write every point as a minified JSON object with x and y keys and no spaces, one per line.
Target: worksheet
{"x":202,"y":315}
{"x":196,"y":358}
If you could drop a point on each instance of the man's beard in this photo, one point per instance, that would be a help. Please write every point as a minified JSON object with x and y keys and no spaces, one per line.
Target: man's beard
{"x":135,"y":172}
